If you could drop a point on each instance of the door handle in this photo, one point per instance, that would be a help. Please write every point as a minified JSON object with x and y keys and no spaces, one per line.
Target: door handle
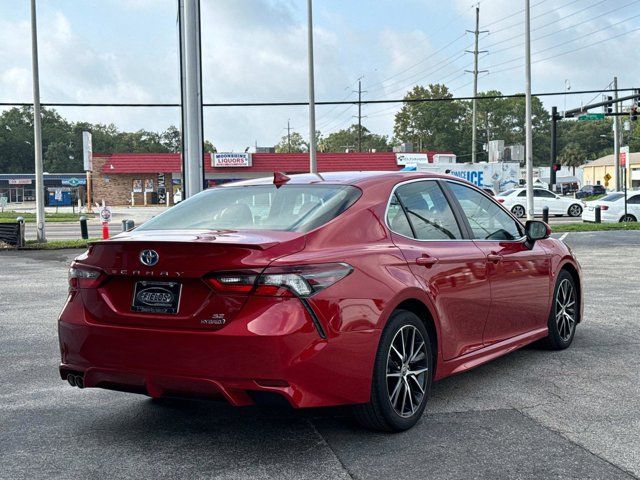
{"x":426,"y":261}
{"x":494,"y":257}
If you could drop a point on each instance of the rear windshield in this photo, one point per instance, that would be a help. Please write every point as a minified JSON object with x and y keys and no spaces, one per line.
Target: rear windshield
{"x":295,"y":208}
{"x":506,"y":193}
{"x":612,"y":197}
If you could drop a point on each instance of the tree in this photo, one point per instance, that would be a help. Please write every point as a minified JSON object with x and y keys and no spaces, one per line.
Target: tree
{"x":573,"y":155}
{"x":348,"y":138}
{"x":593,"y":138}
{"x":430,"y":125}
{"x":62,"y":141}
{"x":294,"y":144}
{"x":504,"y":119}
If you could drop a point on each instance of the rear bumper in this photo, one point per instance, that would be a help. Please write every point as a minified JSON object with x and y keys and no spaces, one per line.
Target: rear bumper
{"x":274,"y":348}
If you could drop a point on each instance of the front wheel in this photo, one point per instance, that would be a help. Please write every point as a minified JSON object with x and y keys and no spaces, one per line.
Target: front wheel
{"x":628,"y":218}
{"x":518,"y":211}
{"x":401,"y":377}
{"x":575,"y":210}
{"x":564,"y":313}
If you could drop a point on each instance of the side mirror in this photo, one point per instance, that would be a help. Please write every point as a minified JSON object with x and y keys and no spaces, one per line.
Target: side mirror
{"x":536,"y":230}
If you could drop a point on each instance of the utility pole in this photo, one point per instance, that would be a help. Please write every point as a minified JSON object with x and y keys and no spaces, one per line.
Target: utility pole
{"x":476,"y":32}
{"x":360,"y":92}
{"x":313,"y":164}
{"x":616,"y":136}
{"x":37,"y":128}
{"x":289,"y":135}
{"x":529,"y":128}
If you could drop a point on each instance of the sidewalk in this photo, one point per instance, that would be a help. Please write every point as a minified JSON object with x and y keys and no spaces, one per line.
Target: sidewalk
{"x":137,"y":214}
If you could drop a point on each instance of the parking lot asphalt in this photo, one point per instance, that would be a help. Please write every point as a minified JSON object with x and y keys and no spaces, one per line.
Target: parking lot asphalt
{"x":531,"y":414}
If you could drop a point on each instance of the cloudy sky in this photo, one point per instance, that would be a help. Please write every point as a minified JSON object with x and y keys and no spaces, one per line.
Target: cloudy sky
{"x":255,"y":50}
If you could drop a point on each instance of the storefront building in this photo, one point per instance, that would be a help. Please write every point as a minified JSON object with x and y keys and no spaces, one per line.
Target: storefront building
{"x":148,"y":179}
{"x":601,"y":172}
{"x":61,"y":189}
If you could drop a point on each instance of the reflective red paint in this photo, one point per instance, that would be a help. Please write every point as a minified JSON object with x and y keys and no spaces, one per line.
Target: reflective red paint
{"x":481,"y":299}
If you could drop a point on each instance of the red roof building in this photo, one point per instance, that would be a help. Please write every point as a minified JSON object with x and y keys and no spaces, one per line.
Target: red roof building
{"x":148,"y":178}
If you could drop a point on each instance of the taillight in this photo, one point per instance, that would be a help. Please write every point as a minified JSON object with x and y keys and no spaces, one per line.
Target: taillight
{"x":83,"y":277}
{"x":501,"y":200}
{"x":301,"y":281}
{"x":604,"y":207}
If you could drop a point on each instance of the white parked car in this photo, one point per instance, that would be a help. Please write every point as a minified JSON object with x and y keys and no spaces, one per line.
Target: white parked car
{"x":516,"y":201}
{"x":612,"y":208}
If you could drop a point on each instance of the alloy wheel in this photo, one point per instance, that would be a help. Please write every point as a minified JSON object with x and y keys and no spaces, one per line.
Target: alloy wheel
{"x":518,"y":211}
{"x":407,"y":370}
{"x":565,"y":309}
{"x":628,"y":218}
{"x":575,"y":210}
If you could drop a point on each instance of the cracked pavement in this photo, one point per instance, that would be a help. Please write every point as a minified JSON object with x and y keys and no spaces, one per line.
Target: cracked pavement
{"x":531,"y":414}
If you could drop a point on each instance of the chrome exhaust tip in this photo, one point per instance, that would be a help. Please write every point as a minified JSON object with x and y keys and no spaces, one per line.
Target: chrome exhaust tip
{"x":71,"y":379}
{"x":79,"y":381}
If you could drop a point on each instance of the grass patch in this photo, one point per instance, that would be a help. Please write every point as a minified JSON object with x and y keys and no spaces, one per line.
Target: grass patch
{"x":593,"y":197}
{"x":594,"y":227}
{"x":10,"y":216}
{"x":57,"y":244}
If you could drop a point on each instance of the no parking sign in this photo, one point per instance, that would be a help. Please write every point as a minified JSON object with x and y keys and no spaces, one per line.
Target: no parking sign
{"x":105,"y":214}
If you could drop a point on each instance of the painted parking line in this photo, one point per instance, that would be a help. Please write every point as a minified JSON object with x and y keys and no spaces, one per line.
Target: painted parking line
{"x":564,"y":235}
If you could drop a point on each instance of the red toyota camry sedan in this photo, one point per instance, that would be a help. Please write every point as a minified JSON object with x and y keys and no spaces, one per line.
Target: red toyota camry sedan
{"x":340,"y":288}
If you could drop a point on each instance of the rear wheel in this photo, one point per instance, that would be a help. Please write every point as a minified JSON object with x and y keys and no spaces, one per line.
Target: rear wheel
{"x":564,"y":313}
{"x":628,"y":218}
{"x":518,"y":211}
{"x":402,"y":376}
{"x":575,"y":210}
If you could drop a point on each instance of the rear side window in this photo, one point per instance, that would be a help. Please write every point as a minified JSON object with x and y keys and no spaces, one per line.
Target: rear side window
{"x":612,"y":197}
{"x":538,"y":192}
{"x":635,"y":200}
{"x":296,"y":208}
{"x":428,"y":213}
{"x":487,"y":220}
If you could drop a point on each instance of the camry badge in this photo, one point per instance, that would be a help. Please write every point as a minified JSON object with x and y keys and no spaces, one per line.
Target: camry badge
{"x":149,"y":257}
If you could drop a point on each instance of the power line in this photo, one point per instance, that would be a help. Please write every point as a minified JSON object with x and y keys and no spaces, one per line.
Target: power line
{"x":562,"y":53}
{"x":326,"y":102}
{"x":512,"y":15}
{"x":571,"y":27}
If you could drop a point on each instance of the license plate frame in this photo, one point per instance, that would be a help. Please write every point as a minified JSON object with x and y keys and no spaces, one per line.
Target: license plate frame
{"x":150,"y":296}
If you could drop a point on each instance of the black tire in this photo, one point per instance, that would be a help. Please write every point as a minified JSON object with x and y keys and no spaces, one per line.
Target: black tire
{"x":628,"y":218}
{"x":380,"y":413}
{"x":562,"y":329}
{"x":575,"y":210}
{"x":519,"y":211}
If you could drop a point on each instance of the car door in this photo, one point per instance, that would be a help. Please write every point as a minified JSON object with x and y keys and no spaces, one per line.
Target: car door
{"x":519,"y":274}
{"x":448,"y":265}
{"x":544,"y":198}
{"x":633,"y":206}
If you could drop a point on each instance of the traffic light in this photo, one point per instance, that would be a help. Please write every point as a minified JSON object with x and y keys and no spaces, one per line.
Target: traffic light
{"x":609,"y":108}
{"x":633,"y":114}
{"x":556,"y":167}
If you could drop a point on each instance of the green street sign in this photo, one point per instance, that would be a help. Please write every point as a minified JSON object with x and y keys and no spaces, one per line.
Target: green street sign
{"x":591,"y":116}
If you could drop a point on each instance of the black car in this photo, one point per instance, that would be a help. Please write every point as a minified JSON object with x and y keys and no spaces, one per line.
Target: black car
{"x":590,"y":190}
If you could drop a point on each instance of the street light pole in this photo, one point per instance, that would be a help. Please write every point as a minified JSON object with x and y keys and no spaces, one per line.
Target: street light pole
{"x":313,"y":165}
{"x":37,"y":129}
{"x":191,"y":97}
{"x":529,"y":128}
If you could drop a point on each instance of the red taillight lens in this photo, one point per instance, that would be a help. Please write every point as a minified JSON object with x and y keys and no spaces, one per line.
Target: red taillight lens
{"x":604,"y":207}
{"x":301,"y":281}
{"x":83,"y":277}
{"x":501,"y":200}
{"x":233,"y":282}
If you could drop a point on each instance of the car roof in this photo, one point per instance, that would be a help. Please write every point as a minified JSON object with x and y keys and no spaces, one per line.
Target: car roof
{"x":344,"y":178}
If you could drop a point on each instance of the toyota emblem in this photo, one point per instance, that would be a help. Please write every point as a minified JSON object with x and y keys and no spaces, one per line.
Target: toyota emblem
{"x":149,"y":257}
